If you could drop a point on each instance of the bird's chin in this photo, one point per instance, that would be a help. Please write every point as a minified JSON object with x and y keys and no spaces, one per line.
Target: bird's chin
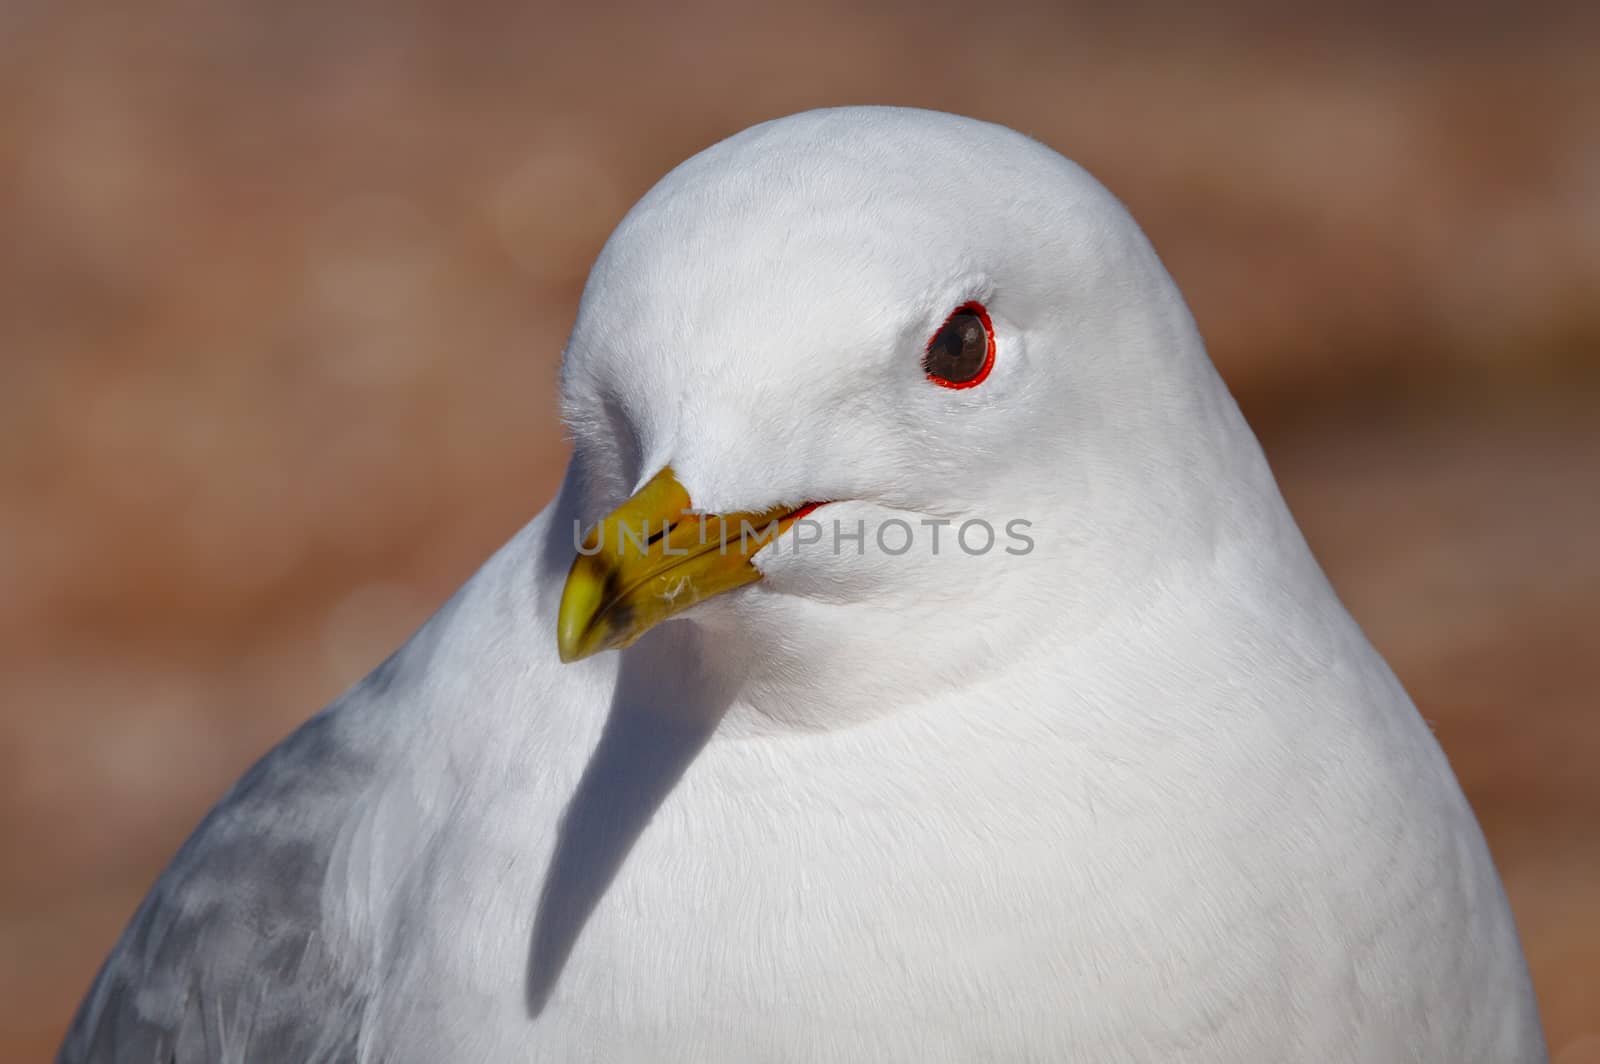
{"x":848,"y":626}
{"x":855,"y":553}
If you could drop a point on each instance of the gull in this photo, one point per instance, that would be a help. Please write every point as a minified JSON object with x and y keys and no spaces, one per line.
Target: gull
{"x":917,"y":663}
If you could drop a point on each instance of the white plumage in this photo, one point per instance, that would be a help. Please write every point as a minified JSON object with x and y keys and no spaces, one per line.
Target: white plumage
{"x":1142,"y":792}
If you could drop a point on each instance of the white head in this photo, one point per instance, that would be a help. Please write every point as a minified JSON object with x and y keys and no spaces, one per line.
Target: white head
{"x":760,"y":323}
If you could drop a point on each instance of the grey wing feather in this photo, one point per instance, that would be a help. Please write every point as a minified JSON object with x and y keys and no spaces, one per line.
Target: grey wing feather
{"x":225,"y":959}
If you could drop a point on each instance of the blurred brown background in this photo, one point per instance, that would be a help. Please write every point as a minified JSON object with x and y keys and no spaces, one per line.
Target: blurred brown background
{"x":283,"y":286}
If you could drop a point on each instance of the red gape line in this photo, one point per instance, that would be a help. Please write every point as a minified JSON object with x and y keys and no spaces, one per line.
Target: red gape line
{"x":804,"y":510}
{"x":977,"y":308}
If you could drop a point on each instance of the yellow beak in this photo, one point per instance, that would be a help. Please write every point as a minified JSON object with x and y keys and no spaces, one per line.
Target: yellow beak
{"x":652,"y":558}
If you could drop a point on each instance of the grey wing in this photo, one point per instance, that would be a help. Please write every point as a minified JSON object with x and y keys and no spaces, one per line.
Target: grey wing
{"x":225,"y":960}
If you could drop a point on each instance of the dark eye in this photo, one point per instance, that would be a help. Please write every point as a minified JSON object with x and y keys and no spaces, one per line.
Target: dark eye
{"x":961,"y":353}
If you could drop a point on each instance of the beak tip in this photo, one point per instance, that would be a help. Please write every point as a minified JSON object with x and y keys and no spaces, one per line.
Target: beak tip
{"x":578,"y":618}
{"x":573,"y":648}
{"x":574,"y":636}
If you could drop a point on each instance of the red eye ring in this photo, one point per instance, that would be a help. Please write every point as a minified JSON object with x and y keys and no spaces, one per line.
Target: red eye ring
{"x":966,"y":379}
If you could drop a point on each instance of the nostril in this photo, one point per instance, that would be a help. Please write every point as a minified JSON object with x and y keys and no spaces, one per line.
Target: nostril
{"x":656,"y":537}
